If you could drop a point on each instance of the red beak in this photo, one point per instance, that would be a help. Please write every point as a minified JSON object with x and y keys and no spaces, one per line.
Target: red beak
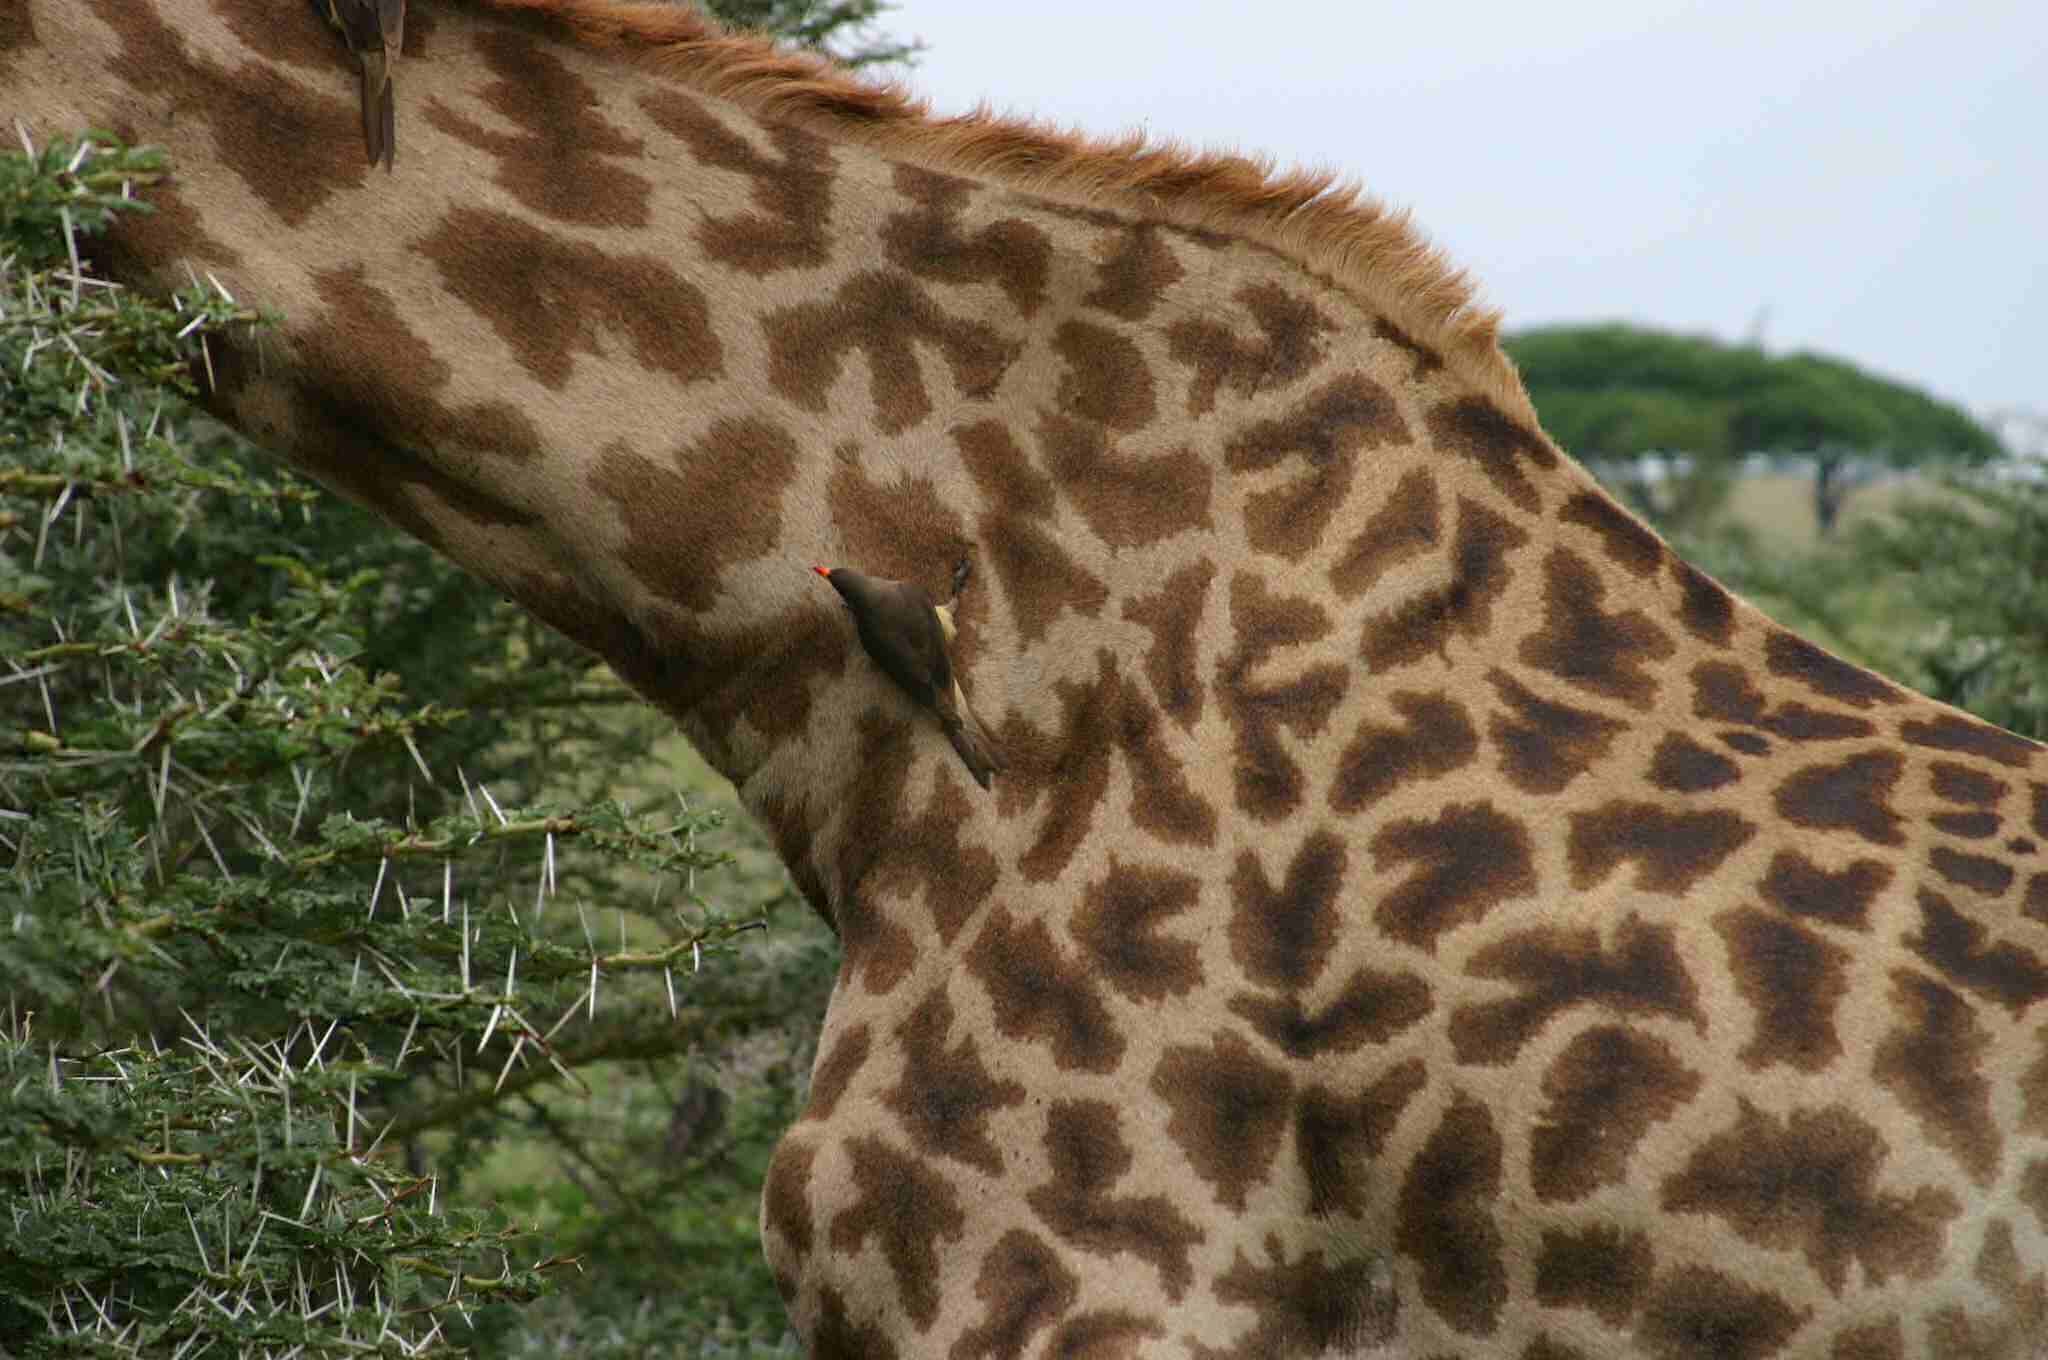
{"x":823,"y":572}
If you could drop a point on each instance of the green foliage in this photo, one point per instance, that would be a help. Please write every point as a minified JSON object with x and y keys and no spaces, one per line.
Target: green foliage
{"x":841,"y":29}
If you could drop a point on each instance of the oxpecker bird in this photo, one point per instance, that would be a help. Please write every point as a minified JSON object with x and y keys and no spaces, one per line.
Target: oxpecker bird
{"x":374,"y":31}
{"x":906,"y":634}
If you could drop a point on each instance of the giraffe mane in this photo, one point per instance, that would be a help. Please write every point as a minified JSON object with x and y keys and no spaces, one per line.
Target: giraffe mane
{"x":1323,"y":221}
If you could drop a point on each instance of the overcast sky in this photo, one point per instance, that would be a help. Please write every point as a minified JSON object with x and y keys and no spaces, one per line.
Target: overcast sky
{"x":1869,"y":179}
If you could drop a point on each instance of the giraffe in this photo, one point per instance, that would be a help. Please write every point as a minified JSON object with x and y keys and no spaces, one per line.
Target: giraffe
{"x":1420,"y":915}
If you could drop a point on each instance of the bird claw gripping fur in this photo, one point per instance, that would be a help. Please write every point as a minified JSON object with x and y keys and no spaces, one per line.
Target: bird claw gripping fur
{"x":905,"y":634}
{"x":374,"y":31}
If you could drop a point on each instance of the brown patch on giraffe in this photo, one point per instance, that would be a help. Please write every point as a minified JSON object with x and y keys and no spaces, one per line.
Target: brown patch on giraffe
{"x":561,"y":159}
{"x":1584,"y":646}
{"x":1173,"y":617}
{"x":1087,"y":1156}
{"x":1446,"y":1224}
{"x":1558,"y":967}
{"x":2019,"y":1318}
{"x":1327,"y":430}
{"x":761,"y":672}
{"x":1628,"y":543}
{"x":1230,"y":1111}
{"x":1106,"y":1334}
{"x":908,"y":1209}
{"x":925,"y":855}
{"x":1024,"y":1289}
{"x":1338,"y":1141}
{"x":946,"y":1096}
{"x":1808,"y":1183}
{"x":1437,"y":738}
{"x":1474,"y":428}
{"x":1970,"y":826}
{"x":1120,"y":921}
{"x":1040,"y":995}
{"x":1597,"y":1267}
{"x":1682,"y":765}
{"x":1547,"y":1347}
{"x":1932,"y":1061}
{"x":786,"y":1208}
{"x":835,"y":1335}
{"x":1545,"y":744}
{"x":2033,"y":1190}
{"x":2040,"y":800}
{"x":791,"y":193}
{"x":875,"y":947}
{"x":1291,"y":343}
{"x":1671,"y":850}
{"x":1850,"y":795}
{"x":1106,"y":380}
{"x":1040,"y":577}
{"x":1129,"y":501}
{"x":1282,"y":935}
{"x":1372,"y":1008}
{"x":901,"y":529}
{"x":1133,"y":277}
{"x":1269,"y":783}
{"x":1406,"y":525}
{"x":548,"y":296}
{"x":1722,"y":692}
{"x":1747,"y":743}
{"x":1797,"y":885}
{"x":1792,"y":657}
{"x":881,"y":313}
{"x":1793,"y":980}
{"x":2035,"y":905}
{"x":1700,"y":1314}
{"x":834,"y":1072}
{"x":1603,"y":1094}
{"x":17,"y":32}
{"x":1979,"y":873}
{"x":1012,"y":254}
{"x":1310,"y":1307}
{"x":1423,"y":624}
{"x":135,"y":244}
{"x":1879,"y":1341}
{"x":1958,"y":949}
{"x":1468,"y":860}
{"x":1954,"y":732}
{"x":1425,"y":360}
{"x":1705,"y":607}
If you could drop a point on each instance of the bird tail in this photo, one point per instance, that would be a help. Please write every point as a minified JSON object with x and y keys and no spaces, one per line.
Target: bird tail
{"x":976,"y":749}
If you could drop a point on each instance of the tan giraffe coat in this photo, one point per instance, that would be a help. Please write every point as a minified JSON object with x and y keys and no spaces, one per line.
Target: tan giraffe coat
{"x":1421,"y":918}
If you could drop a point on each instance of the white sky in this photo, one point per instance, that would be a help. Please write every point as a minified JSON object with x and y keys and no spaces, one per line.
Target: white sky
{"x":1869,"y":176}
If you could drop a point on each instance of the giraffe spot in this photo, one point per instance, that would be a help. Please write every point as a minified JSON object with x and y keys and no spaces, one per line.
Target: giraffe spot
{"x":1961,"y":784}
{"x":1547,"y":1347}
{"x":1128,"y":501}
{"x":1338,"y":1141}
{"x":1436,"y":738}
{"x":1347,"y":416}
{"x":2019,"y":1316}
{"x":875,"y":946}
{"x":835,"y":1335}
{"x":1404,"y":527}
{"x":1597,"y":1267}
{"x":1470,"y":859}
{"x":1722,"y":692}
{"x":1290,"y":343}
{"x":2020,"y":845}
{"x":1087,"y":1156}
{"x":1423,"y":624}
{"x":1269,"y":782}
{"x":1282,"y":936}
{"x":1705,"y":607}
{"x":1972,"y":826}
{"x":1172,"y":617}
{"x":1792,"y":657}
{"x":1556,"y":968}
{"x":835,"y":1071}
{"x":786,"y":1210}
{"x":1807,"y":1183}
{"x":1850,"y":795}
{"x":1671,"y":850}
{"x":927,"y":240}
{"x":1372,"y":1008}
{"x":17,"y":32}
{"x":909,"y":1209}
{"x":1425,"y":360}
{"x":1956,"y":947}
{"x":1682,"y":765}
{"x":1039,"y":995}
{"x":2034,"y":1090}
{"x":1979,"y":873}
{"x":2040,"y":818}
{"x":1797,"y":885}
{"x":1313,"y":1306}
{"x":1546,"y":744}
{"x":1230,"y":1110}
{"x":1932,"y":1061}
{"x":1586,"y":647}
{"x":1474,"y":428}
{"x":1135,"y":274}
{"x":790,"y":190}
{"x":1120,"y":922}
{"x":2036,"y":904}
{"x":1024,"y":1290}
{"x":946,"y":1096}
{"x":1879,"y":1341}
{"x":881,"y":313}
{"x":1627,"y":541}
{"x":1445,"y":1219}
{"x":1106,"y":381}
{"x":2034,"y":1190}
{"x":1106,"y":1334}
{"x":1746,"y":743}
{"x":925,"y":856}
{"x":1602,"y":1095}
{"x":1954,"y":732}
{"x":1040,"y":578}
{"x":1700,"y":1314}
{"x":1793,"y":981}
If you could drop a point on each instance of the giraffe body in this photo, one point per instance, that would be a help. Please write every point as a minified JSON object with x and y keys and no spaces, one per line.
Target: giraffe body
{"x":1421,"y":917}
